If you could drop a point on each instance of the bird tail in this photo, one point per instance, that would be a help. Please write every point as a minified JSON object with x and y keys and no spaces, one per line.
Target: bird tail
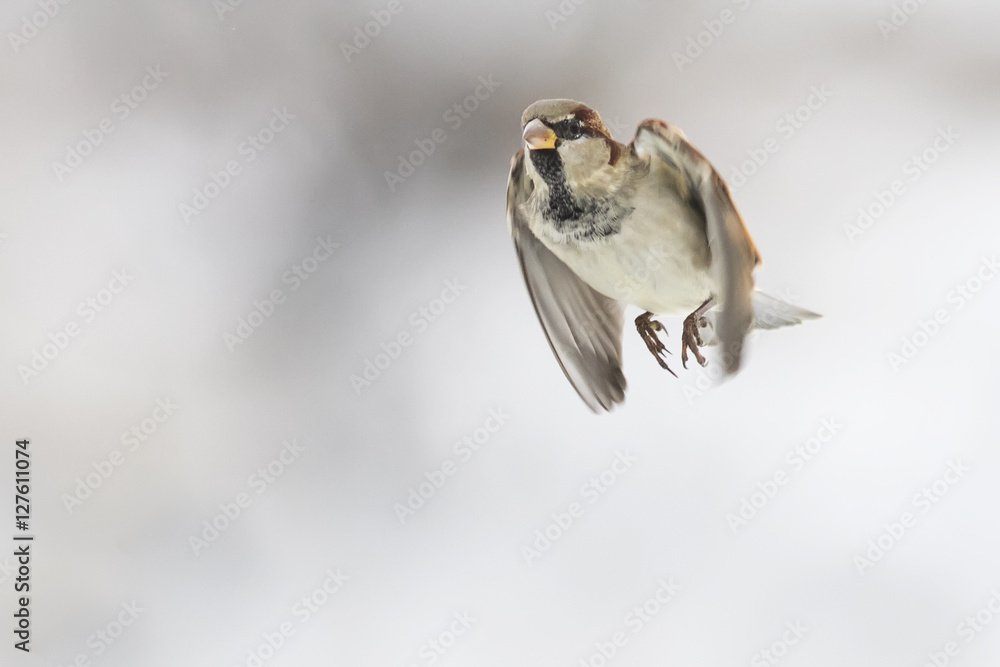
{"x":772,"y":313}
{"x":768,"y":313}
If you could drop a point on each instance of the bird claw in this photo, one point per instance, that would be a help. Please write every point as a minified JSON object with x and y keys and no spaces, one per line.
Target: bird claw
{"x":691,"y":339}
{"x":647,"y":328}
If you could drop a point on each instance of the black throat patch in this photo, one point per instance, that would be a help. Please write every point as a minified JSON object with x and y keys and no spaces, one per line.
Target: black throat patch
{"x":549,"y":165}
{"x":581,"y":218}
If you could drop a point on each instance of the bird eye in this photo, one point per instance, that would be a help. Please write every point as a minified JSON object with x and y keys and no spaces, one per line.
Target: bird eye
{"x":574,"y":128}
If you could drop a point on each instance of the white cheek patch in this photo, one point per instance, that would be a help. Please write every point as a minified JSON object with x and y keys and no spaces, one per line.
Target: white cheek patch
{"x":584,"y":158}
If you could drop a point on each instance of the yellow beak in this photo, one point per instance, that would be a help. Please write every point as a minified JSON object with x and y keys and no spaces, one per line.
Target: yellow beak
{"x":538,"y":136}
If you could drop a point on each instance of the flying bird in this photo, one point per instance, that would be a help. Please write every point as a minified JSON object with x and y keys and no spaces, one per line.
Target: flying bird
{"x":599,"y":225}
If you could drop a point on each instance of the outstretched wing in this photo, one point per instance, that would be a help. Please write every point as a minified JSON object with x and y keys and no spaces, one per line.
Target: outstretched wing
{"x":583,"y":326}
{"x":733,"y":252}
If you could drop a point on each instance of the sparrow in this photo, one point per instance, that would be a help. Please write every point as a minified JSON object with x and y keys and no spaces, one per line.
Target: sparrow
{"x":598,"y":225}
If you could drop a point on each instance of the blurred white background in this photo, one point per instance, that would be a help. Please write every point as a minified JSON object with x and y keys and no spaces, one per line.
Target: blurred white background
{"x":328,"y":122}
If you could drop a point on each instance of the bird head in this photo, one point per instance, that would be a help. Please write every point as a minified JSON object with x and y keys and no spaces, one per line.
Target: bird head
{"x":567,"y":141}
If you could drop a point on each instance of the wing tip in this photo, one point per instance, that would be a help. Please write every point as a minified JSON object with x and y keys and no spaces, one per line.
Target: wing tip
{"x":599,"y":396}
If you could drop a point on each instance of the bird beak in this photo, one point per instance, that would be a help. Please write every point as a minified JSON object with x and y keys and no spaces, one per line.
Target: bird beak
{"x":539,"y":136}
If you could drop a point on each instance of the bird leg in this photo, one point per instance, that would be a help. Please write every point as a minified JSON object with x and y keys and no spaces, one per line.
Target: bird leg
{"x":647,"y":328}
{"x":691,"y":338}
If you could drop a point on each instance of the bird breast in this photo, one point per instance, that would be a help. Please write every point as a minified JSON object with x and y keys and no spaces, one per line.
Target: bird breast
{"x":658,"y":260}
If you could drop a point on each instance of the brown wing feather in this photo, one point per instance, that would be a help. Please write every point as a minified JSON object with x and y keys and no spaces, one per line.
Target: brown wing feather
{"x":583,"y":327}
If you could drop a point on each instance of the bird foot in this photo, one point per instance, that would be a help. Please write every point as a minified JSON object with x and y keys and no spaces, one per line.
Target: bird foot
{"x":647,"y":328}
{"x":691,"y":339}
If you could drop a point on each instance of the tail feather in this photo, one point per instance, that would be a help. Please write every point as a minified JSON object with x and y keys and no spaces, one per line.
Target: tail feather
{"x":771,"y":313}
{"x":768,"y":313}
